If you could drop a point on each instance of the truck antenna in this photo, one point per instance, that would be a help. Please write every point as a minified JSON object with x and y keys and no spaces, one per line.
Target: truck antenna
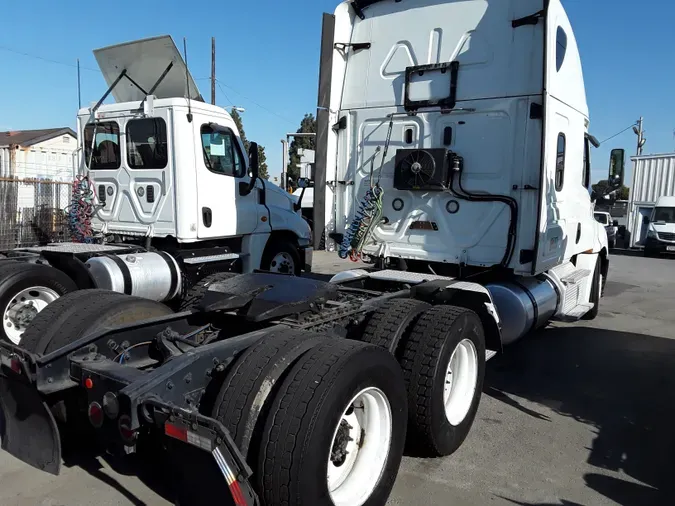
{"x":187,"y":80}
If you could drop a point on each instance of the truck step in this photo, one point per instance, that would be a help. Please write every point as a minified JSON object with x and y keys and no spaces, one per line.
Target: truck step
{"x":405,"y":277}
{"x":574,"y":277}
{"x":212,"y":258}
{"x":575,"y":313}
{"x":489,"y":354}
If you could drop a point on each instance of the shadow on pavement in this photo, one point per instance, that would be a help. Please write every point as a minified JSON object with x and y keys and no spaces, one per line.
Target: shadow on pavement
{"x":620,"y":383}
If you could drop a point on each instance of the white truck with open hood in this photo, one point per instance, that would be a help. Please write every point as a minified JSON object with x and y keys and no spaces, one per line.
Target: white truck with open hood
{"x":175,"y":196}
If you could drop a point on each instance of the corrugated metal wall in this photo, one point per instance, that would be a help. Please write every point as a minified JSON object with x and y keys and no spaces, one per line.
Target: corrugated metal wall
{"x":653,"y":177}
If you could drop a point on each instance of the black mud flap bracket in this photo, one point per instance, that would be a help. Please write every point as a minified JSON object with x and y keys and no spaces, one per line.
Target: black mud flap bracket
{"x":209,"y":435}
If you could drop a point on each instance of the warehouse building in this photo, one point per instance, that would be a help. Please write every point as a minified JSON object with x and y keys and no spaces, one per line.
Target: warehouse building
{"x":653,"y":177}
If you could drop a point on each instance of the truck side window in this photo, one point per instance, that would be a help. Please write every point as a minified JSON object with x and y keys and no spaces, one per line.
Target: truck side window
{"x":587,"y":164}
{"x":560,"y":163}
{"x":106,"y":144}
{"x":221,"y":151}
{"x":146,"y":144}
{"x":560,"y":48}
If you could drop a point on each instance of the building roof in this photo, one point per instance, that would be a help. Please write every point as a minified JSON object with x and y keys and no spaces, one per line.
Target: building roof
{"x":31,"y":137}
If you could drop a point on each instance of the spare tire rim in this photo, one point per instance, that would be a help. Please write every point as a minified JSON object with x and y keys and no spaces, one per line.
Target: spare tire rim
{"x":461,"y":378}
{"x":23,"y":307}
{"x":282,"y":263}
{"x":360,"y":448}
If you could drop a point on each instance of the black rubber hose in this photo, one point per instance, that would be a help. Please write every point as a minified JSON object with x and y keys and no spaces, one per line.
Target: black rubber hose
{"x":509,"y":201}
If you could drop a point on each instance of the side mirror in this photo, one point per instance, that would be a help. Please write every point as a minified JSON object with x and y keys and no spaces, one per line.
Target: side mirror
{"x":615,"y":223}
{"x":303,"y":182}
{"x":645,"y":220}
{"x":253,"y":167}
{"x":253,"y":163}
{"x":617,"y":168}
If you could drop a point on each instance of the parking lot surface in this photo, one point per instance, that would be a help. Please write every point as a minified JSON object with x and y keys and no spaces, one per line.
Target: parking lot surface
{"x":576,"y":414}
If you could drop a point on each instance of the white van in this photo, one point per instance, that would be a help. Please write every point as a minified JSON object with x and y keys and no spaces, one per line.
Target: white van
{"x":661,"y":231}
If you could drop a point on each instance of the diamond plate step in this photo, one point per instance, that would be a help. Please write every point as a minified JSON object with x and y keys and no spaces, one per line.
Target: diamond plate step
{"x":575,"y":313}
{"x":575,"y":277}
{"x":211,"y":258}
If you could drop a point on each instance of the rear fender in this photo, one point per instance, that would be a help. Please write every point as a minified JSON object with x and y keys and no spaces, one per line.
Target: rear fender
{"x":27,"y":427}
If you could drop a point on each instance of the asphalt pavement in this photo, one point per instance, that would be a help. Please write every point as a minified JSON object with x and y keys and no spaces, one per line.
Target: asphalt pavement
{"x":576,"y":414}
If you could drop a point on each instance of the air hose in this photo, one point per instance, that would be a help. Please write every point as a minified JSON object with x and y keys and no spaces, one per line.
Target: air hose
{"x":366,"y":218}
{"x":81,"y":210}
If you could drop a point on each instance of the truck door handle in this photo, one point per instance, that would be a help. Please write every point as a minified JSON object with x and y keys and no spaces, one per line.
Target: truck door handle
{"x":578,"y":232}
{"x":207,"y":216}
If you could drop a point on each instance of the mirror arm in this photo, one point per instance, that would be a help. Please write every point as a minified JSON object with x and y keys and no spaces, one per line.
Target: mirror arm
{"x":298,"y":205}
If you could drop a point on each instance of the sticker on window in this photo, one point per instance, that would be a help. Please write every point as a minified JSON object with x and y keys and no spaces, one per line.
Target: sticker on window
{"x":217,"y":149}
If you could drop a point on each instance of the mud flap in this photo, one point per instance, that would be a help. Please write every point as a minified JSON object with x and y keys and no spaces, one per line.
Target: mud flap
{"x":27,"y":427}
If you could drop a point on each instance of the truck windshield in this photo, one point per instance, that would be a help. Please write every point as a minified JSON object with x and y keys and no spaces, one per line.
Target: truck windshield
{"x":106,"y":153}
{"x":601,"y":218}
{"x":666,"y":214}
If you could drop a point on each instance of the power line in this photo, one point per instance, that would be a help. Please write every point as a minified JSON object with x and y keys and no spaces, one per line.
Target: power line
{"x":616,"y":135}
{"x":258,"y":104}
{"x":223,"y":92}
{"x":38,"y":57}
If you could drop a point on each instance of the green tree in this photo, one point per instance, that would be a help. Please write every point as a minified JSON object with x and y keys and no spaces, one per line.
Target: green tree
{"x":307,"y":125}
{"x":240,"y":126}
{"x":262,"y":163}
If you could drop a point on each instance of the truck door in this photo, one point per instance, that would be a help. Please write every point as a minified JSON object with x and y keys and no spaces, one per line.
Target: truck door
{"x":566,"y":223}
{"x":132,"y":173}
{"x":224,"y":210}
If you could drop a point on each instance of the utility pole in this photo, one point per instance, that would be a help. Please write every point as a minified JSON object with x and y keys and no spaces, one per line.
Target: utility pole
{"x":640,"y":133}
{"x":213,"y":70}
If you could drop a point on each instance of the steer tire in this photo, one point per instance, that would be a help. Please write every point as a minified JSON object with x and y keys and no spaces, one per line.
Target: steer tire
{"x":596,"y":293}
{"x":392,"y":322}
{"x":249,"y":384}
{"x":85,"y":311}
{"x":297,"y":440}
{"x":196,"y":293}
{"x":286,"y":247}
{"x":18,"y":276}
{"x":426,"y":356}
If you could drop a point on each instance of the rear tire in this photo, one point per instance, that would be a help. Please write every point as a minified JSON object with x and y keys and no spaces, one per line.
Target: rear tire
{"x":83,"y":312}
{"x":390,"y":324}
{"x":334,"y":414}
{"x":443,"y":365}
{"x":241,"y":404}
{"x":25,"y":290}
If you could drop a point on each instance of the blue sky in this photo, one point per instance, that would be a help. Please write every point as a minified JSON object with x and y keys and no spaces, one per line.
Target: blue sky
{"x":268,"y":53}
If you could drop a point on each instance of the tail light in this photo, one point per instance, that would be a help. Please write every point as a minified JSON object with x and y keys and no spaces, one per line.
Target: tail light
{"x":95,"y":413}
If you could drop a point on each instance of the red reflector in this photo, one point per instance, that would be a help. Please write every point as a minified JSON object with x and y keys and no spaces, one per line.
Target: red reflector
{"x":89,"y":383}
{"x":176,"y":432}
{"x":96,"y":414}
{"x":237,"y":494}
{"x":15,"y":364}
{"x":127,"y":433}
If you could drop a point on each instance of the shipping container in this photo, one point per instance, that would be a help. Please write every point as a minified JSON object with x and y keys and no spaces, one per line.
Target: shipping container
{"x":653,"y":177}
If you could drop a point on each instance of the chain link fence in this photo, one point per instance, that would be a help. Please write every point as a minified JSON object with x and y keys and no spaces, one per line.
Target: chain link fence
{"x":33,"y":212}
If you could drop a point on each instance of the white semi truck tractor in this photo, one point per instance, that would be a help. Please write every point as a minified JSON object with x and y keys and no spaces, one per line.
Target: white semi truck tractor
{"x":453,"y":151}
{"x":174,"y":196}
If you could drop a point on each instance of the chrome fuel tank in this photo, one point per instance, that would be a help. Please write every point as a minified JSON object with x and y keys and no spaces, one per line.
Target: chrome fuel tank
{"x":154,"y":276}
{"x":523,"y":305}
